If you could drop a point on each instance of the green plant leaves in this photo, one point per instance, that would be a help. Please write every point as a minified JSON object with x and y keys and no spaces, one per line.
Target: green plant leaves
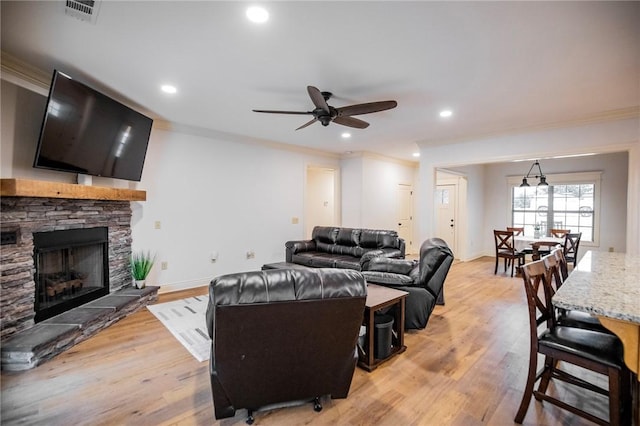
{"x":141,"y":264}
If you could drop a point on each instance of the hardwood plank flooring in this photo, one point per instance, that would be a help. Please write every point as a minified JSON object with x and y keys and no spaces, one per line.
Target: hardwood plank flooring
{"x":468,"y":367}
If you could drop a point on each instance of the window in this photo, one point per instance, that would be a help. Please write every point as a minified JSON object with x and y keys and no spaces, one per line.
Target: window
{"x":569,"y":202}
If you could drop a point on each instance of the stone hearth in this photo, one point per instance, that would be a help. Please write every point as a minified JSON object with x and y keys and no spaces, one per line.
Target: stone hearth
{"x":32,"y":206}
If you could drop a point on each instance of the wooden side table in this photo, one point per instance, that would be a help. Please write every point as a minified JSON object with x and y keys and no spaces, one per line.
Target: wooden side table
{"x":379,"y":297}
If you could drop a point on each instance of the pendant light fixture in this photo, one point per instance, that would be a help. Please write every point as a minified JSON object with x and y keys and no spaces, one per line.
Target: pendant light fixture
{"x":541,"y":176}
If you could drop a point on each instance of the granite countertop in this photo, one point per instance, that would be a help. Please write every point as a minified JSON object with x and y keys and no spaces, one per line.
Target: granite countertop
{"x":605,"y":284}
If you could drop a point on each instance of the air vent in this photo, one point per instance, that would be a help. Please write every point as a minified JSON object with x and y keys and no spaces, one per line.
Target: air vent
{"x":85,"y":10}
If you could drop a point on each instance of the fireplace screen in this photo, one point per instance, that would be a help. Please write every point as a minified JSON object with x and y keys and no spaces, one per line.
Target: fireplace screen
{"x":71,"y":269}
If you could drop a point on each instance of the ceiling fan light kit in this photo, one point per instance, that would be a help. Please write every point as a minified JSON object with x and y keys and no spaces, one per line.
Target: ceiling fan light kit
{"x":325,"y":113}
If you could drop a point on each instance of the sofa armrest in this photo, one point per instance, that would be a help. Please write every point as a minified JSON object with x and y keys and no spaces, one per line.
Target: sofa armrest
{"x":293,"y":247}
{"x":386,"y":252}
{"x":402,"y":247}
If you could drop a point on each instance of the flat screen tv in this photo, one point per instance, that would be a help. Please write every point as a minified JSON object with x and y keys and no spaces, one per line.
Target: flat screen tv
{"x":87,"y":132}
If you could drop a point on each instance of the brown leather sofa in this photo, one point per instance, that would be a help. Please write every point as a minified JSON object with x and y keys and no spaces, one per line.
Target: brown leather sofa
{"x":283,"y":335}
{"x":348,"y":248}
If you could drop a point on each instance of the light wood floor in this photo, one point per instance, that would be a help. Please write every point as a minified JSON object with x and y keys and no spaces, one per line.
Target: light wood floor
{"x":468,"y":367}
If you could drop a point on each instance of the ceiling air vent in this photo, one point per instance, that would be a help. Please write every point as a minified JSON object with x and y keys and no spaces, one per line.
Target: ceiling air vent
{"x":85,"y":10}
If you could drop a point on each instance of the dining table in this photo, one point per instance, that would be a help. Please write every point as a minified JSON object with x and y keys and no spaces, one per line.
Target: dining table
{"x":523,"y":242}
{"x":607,"y":285}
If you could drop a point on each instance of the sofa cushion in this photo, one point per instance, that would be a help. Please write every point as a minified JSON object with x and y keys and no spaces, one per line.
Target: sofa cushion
{"x":304,"y":258}
{"x":374,"y":238}
{"x":349,"y":237}
{"x":325,"y":234}
{"x":347,"y":262}
{"x":396,"y":266}
{"x":387,"y":278}
{"x":315,"y":259}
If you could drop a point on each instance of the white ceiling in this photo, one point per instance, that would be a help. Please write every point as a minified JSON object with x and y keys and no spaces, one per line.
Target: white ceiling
{"x":498,"y":65}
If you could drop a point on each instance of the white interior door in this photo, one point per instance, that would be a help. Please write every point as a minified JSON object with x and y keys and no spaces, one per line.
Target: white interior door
{"x":405,"y":217}
{"x":320,"y":198}
{"x":446,"y":209}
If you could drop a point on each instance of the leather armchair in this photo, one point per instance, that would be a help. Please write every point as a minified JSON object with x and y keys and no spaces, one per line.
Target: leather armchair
{"x":423,"y":279}
{"x":283,"y":335}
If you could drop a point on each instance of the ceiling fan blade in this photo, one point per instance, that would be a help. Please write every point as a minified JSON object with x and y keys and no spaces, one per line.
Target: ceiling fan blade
{"x":351,"y":122}
{"x":282,"y":112}
{"x":308,"y":123}
{"x":367,"y":108}
{"x":318,"y":99}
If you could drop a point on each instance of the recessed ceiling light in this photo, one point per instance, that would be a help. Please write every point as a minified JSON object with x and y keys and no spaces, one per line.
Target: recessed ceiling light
{"x":167,"y":88}
{"x":446,"y":113}
{"x":257,"y":14}
{"x":346,"y":135}
{"x":416,"y":154}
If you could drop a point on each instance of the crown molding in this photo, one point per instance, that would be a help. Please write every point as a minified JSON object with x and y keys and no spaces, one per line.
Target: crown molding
{"x":233,"y":137}
{"x":375,"y":156}
{"x":600,"y":117}
{"x":23,"y":74}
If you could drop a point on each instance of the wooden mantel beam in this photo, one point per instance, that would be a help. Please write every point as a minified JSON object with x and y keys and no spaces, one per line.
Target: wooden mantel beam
{"x":36,"y":188}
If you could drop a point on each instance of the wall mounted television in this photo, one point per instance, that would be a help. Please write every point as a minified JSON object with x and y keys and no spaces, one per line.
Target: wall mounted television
{"x":89,"y":133}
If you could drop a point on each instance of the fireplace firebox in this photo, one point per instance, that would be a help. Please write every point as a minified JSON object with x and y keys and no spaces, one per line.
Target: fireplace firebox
{"x":71,"y":269}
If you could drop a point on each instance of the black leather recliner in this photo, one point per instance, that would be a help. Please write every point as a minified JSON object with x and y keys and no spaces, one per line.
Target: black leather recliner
{"x":283,"y":335}
{"x":423,"y":279}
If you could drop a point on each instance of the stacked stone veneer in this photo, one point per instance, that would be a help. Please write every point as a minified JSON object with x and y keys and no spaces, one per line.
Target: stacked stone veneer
{"x":27,"y":215}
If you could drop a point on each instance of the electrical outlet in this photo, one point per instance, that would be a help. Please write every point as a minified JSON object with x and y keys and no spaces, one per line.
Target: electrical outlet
{"x":157,"y":224}
{"x":251,"y":254}
{"x":164,"y":265}
{"x":610,"y":249}
{"x":294,"y":220}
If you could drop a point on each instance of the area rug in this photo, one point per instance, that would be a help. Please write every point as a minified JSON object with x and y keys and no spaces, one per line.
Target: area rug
{"x":185,"y":319}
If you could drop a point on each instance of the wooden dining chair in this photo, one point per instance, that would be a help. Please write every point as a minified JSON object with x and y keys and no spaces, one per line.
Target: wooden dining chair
{"x":571,"y":318}
{"x":506,"y":250}
{"x":571,"y":244}
{"x":516,"y":231}
{"x":591,"y":350}
{"x":558,"y":233}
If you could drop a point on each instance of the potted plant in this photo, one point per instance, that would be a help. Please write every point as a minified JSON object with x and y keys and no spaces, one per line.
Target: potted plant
{"x":141,"y":264}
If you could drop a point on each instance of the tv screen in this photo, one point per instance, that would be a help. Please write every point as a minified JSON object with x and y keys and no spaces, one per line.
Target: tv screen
{"x":87,"y":132}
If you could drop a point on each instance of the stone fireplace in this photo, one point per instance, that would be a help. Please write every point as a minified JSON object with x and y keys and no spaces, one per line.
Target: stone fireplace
{"x":30,"y":209}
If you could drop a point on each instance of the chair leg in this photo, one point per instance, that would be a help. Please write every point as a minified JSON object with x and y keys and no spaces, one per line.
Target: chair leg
{"x":550,"y":364}
{"x":495,"y":271}
{"x":615,"y":397}
{"x":528,"y":389}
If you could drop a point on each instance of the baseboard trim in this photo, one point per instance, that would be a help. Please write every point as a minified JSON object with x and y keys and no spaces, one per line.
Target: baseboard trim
{"x":183,"y":285}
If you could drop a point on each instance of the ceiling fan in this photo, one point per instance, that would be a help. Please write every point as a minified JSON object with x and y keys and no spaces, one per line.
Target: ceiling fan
{"x":325,"y":113}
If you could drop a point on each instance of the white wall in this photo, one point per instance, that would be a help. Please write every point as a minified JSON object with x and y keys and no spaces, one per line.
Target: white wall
{"x":603,"y":137}
{"x":212,"y":193}
{"x":370,"y":191}
{"x":218,"y":196}
{"x":351,"y":191}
